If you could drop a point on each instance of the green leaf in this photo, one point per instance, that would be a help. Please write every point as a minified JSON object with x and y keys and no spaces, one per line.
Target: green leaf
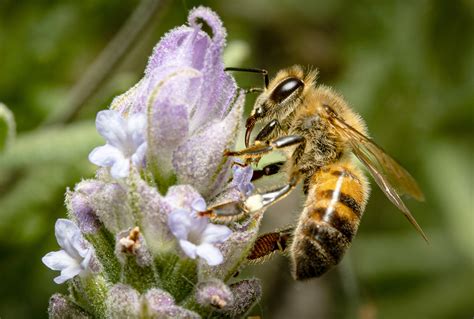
{"x":7,"y":127}
{"x":34,"y":174}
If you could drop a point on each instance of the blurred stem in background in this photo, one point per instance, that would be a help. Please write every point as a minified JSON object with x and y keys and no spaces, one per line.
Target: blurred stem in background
{"x":105,"y":64}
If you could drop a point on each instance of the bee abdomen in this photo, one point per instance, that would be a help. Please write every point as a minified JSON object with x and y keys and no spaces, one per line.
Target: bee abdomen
{"x":329,"y":221}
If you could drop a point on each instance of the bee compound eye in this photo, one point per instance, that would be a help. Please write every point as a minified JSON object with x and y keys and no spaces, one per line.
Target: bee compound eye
{"x":285,"y":88}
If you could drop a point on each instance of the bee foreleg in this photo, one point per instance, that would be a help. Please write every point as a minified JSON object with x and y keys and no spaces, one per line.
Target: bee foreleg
{"x":267,"y":244}
{"x":267,"y":130}
{"x":260,"y":149}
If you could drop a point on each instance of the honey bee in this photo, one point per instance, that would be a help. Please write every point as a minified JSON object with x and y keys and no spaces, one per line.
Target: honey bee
{"x":319,"y":134}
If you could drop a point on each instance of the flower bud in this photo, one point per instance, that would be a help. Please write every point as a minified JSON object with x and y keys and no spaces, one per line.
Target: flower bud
{"x":122,"y":302}
{"x":79,"y":204}
{"x":154,"y":212}
{"x":214,"y":293}
{"x":61,"y":307}
{"x":246,"y":293}
{"x":110,"y":202}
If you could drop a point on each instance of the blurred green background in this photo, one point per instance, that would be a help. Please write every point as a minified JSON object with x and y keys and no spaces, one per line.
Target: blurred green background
{"x":406,"y":66}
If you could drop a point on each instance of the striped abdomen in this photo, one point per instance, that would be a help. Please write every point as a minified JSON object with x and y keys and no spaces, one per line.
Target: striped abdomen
{"x":329,"y":221}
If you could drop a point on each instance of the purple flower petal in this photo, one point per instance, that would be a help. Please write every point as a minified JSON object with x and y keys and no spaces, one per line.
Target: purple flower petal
{"x":199,"y":160}
{"x":126,"y":102}
{"x":213,"y":20}
{"x":242,"y":177}
{"x":79,"y":205}
{"x":164,"y":51}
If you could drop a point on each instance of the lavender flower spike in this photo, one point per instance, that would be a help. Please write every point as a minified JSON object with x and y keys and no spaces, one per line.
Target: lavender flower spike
{"x":163,"y":217}
{"x":74,"y":257}
{"x":125,"y":142}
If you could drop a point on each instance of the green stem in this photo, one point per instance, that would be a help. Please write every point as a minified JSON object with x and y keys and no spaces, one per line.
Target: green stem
{"x":104,"y":244}
{"x":139,"y":277}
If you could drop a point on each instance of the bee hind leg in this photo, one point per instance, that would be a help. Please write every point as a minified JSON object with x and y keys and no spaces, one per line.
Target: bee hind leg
{"x":268,"y":244}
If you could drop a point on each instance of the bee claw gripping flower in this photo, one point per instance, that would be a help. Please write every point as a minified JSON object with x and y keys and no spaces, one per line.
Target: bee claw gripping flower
{"x":143,"y":246}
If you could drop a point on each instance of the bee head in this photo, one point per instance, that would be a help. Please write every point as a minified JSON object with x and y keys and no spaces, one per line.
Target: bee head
{"x":276,"y":102}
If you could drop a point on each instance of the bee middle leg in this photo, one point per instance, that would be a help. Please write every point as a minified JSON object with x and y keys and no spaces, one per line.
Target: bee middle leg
{"x":259,"y":201}
{"x":268,"y":170}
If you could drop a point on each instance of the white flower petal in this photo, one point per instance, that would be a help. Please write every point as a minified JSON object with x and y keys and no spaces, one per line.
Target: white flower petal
{"x":68,"y":273}
{"x":139,"y":155}
{"x":61,"y":279}
{"x":65,"y":230}
{"x":79,"y":247}
{"x":58,"y":260}
{"x":121,"y":168}
{"x":112,"y":127}
{"x":105,"y":156}
{"x":199,"y":205}
{"x":211,"y":254}
{"x":188,"y":248}
{"x":198,"y":224}
{"x":215,"y":234}
{"x":87,"y":259}
{"x":136,"y":128}
{"x":179,"y":222}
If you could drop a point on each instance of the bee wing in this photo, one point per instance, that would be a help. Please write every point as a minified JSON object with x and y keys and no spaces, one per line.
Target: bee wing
{"x":392,"y":178}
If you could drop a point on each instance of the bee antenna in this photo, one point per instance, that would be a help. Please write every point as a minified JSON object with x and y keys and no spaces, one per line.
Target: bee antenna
{"x":252,"y":70}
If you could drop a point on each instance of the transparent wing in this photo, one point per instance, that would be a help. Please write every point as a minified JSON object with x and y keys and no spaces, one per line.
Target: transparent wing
{"x":392,"y":178}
